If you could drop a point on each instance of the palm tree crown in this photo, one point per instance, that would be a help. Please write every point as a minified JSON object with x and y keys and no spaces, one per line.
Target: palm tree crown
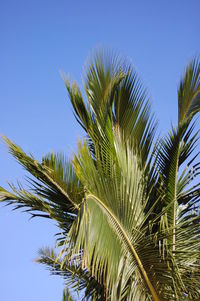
{"x":126,"y":203}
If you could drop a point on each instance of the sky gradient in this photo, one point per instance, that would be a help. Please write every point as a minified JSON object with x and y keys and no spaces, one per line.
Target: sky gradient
{"x":38,"y":40}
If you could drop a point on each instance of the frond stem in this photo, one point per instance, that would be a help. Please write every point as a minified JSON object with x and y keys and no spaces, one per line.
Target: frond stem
{"x":175,"y":200}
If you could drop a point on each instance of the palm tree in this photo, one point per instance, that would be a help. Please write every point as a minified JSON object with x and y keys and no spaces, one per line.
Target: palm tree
{"x":126,"y":203}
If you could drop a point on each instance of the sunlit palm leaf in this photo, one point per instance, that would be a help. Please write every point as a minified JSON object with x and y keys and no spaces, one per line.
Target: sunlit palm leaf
{"x":122,"y":209}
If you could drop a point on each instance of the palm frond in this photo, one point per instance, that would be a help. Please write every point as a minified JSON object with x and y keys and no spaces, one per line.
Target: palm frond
{"x":119,"y":202}
{"x":102,"y":76}
{"x":56,"y":191}
{"x":20,"y":198}
{"x":177,"y":147}
{"x":114,"y":92}
{"x":47,"y":173}
{"x":132,"y":111}
{"x":82,"y":115}
{"x":189,"y":92}
{"x":77,"y":279}
{"x":67,"y":296}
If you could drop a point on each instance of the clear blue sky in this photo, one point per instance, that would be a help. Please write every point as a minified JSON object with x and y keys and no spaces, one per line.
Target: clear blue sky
{"x":39,"y":38}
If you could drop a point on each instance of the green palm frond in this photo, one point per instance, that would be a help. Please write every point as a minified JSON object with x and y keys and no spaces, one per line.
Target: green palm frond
{"x":45,"y":174}
{"x":114,"y":92}
{"x":62,"y":172}
{"x":57,"y":192}
{"x":36,"y":205}
{"x":189,"y":92}
{"x":82,"y":115}
{"x":132,"y":111}
{"x":67,"y":296}
{"x":77,"y":279}
{"x":20,"y":198}
{"x":103,"y":75}
{"x":179,"y":145}
{"x":119,"y":203}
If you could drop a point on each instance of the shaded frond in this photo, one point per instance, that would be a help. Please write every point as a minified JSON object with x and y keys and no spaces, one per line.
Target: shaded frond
{"x":81,"y":113}
{"x":44,"y":174}
{"x":77,"y":279}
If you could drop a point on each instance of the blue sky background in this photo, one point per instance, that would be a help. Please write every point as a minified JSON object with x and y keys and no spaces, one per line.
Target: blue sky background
{"x":39,"y":38}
